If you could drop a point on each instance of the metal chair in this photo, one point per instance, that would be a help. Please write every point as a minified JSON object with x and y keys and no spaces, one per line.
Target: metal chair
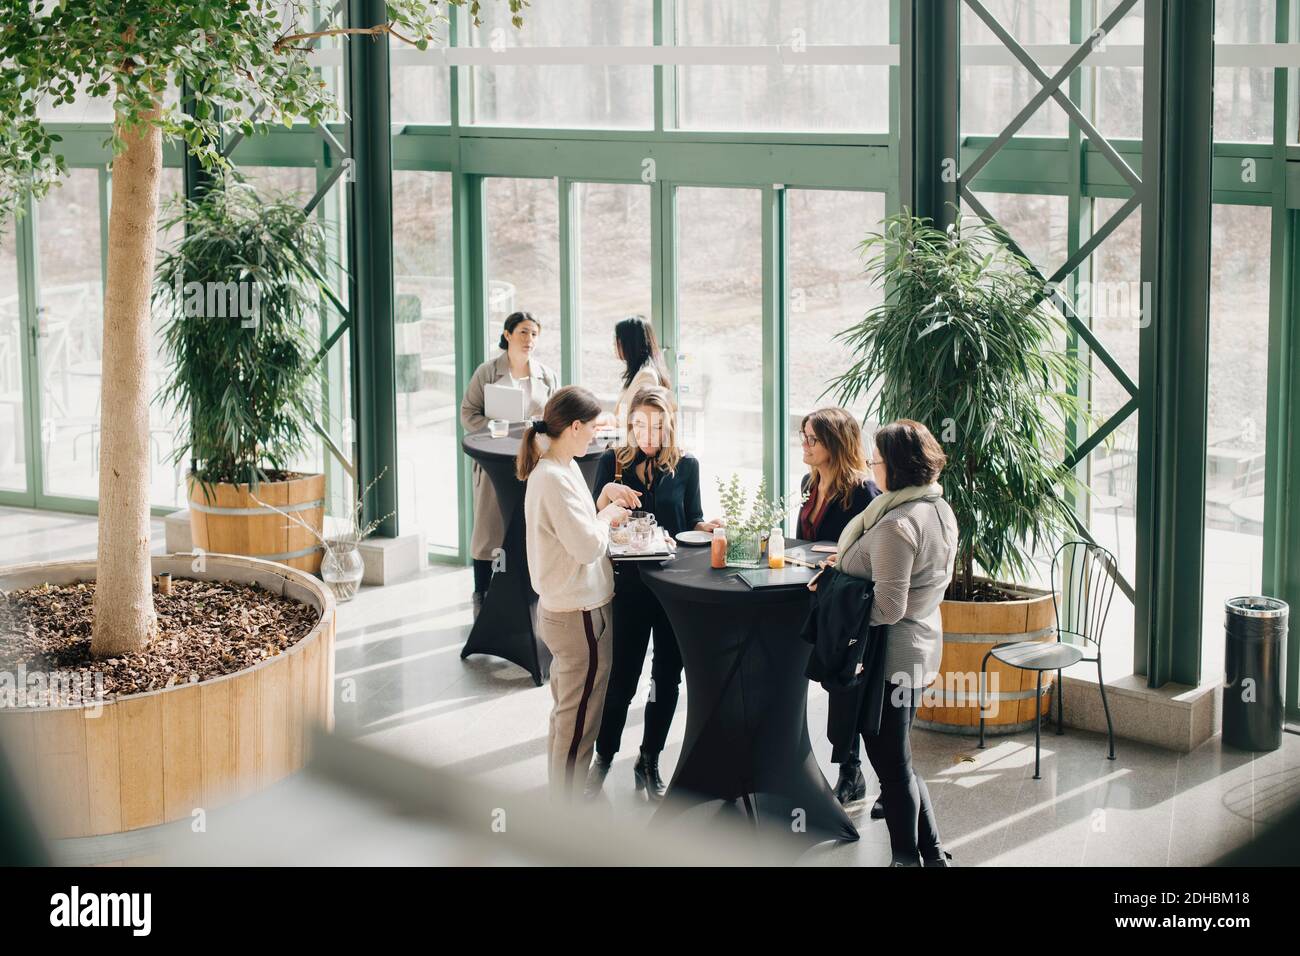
{"x":1087,"y":586}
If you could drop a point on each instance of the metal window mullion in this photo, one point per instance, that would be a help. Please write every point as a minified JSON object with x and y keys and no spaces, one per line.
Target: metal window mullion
{"x":29,"y":328}
{"x":776,"y":398}
{"x":570,"y":289}
{"x":665,"y":77}
{"x":468,"y":236}
{"x":929,"y":103}
{"x":1173,"y":356}
{"x":1281,"y":570}
{"x":371,"y":236}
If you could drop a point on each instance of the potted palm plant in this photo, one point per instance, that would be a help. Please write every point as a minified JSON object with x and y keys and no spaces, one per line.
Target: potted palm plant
{"x":966,"y":343}
{"x":239,"y":294}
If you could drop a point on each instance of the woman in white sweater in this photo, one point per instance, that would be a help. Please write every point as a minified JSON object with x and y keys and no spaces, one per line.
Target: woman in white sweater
{"x":567,"y":542}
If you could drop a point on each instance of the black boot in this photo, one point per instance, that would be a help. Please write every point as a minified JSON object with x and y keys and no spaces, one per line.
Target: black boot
{"x":878,"y":808}
{"x":596,"y":775}
{"x":478,"y":603}
{"x":647,"y":776}
{"x":941,"y":860}
{"x":852,"y":785}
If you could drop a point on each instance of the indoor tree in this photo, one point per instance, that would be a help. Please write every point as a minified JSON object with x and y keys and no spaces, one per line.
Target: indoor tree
{"x":966,"y":343}
{"x":245,"y":62}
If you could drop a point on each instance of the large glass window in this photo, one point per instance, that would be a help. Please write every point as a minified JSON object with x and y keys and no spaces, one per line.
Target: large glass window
{"x":424,"y":313}
{"x":1243,"y":96}
{"x":71,"y":310}
{"x":720,"y":342}
{"x":13,"y":433}
{"x":1236,"y":417}
{"x":523,"y":260}
{"x":566,"y":95}
{"x":1037,"y":223}
{"x":828,"y":292}
{"x":790,"y":96}
{"x":613,"y":222}
{"x":420,"y":85}
{"x":992,"y":94}
{"x":1112,"y":303}
{"x":1119,"y":88}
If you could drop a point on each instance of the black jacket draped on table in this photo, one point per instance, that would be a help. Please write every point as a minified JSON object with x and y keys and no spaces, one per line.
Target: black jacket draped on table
{"x":838,"y":628}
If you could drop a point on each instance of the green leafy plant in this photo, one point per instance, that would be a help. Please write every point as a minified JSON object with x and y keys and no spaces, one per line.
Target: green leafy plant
{"x":741,"y":516}
{"x":246,"y":383}
{"x":966,"y":343}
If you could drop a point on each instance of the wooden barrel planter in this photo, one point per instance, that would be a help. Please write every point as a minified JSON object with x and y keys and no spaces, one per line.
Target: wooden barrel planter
{"x":153,"y":758}
{"x":225,"y":519}
{"x":970,"y":630}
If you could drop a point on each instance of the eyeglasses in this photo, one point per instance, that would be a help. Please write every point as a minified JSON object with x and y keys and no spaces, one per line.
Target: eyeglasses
{"x":807,"y":440}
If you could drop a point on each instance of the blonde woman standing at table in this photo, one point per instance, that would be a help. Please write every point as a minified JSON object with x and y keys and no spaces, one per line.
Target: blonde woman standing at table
{"x":568,"y":543}
{"x":905,"y":542}
{"x":516,"y":367}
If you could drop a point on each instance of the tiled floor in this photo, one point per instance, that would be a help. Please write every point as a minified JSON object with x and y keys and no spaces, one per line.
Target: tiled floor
{"x":402,"y":685}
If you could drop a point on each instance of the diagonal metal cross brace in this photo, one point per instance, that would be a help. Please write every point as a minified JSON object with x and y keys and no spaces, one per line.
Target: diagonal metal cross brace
{"x":1066,"y":309}
{"x":1051,"y":88}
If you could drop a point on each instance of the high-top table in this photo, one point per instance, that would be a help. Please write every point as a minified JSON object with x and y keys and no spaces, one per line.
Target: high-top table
{"x":505,"y":622}
{"x":747,"y":699}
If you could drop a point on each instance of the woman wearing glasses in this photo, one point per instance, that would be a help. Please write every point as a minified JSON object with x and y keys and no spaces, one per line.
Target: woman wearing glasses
{"x":651,"y":467}
{"x":906,"y":544}
{"x":836,"y":488}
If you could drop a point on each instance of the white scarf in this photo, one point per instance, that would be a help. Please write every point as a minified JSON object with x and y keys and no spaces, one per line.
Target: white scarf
{"x":865,"y":520}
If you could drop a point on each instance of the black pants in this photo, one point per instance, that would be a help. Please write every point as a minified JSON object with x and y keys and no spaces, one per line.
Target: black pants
{"x":482,"y":575}
{"x":638,"y":613}
{"x":908,"y":812}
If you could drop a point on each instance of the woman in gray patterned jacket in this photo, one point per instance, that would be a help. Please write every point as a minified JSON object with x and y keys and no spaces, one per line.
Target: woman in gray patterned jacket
{"x":906,"y":543}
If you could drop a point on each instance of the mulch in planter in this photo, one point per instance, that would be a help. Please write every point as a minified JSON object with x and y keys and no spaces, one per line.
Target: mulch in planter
{"x":205,"y":629}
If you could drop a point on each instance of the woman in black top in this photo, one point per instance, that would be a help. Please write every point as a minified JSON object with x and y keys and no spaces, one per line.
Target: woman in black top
{"x":668,"y":483}
{"x":835,"y":490}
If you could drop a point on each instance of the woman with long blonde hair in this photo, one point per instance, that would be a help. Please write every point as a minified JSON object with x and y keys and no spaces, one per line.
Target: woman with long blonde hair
{"x":666,"y":480}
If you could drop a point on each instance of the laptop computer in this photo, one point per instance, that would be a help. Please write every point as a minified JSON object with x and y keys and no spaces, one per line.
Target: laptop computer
{"x":504,"y":402}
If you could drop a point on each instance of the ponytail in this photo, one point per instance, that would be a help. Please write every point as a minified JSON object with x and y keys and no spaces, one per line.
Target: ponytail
{"x":570,"y":404}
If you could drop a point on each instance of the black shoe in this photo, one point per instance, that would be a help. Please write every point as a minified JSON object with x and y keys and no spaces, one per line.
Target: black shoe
{"x":852,"y":785}
{"x":596,"y":775}
{"x":940,"y":861}
{"x":878,"y":808}
{"x":898,"y":862}
{"x":647,"y":776}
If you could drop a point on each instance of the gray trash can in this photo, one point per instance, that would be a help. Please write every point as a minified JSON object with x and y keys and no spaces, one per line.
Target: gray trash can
{"x":1254,"y":635}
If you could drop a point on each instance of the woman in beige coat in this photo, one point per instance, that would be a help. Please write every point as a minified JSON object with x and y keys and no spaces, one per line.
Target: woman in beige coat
{"x":515,"y":366}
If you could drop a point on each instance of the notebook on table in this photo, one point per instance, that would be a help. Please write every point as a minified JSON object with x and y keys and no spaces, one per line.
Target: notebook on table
{"x":787,"y":577}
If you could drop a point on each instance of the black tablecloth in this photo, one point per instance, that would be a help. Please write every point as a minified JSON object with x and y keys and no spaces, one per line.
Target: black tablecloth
{"x":505,"y":623}
{"x":746,"y":723}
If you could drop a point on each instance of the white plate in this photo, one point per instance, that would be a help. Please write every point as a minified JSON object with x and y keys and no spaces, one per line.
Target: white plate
{"x":694,"y":537}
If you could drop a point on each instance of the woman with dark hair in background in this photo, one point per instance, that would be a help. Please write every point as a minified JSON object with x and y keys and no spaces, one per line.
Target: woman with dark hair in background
{"x":567,"y":541}
{"x":906,"y":544}
{"x":638,"y":349}
{"x":666,"y":482}
{"x":515,"y":366}
{"x":836,"y":489}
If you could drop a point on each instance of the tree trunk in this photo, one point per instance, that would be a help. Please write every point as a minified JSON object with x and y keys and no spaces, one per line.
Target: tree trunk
{"x":124,"y":614}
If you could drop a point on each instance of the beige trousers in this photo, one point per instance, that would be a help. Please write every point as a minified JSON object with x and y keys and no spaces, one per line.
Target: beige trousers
{"x":581,"y":643}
